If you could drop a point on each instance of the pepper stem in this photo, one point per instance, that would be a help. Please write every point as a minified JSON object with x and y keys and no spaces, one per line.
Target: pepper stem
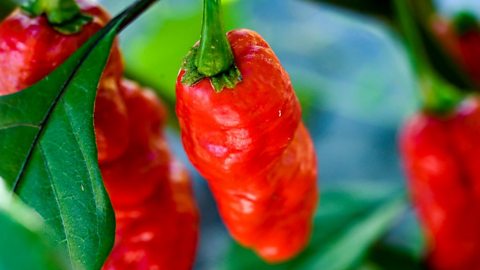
{"x":64,"y":15}
{"x":214,"y":55}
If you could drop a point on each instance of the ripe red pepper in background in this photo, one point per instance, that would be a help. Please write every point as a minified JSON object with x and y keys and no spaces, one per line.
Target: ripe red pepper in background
{"x":157,"y":219}
{"x":461,"y":38}
{"x":150,"y":191}
{"x":441,"y":156}
{"x":250,"y":145}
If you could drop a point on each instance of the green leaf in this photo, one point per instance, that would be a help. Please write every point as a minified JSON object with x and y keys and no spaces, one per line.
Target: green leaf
{"x":349,"y":221}
{"x":22,"y":242}
{"x":49,"y":156}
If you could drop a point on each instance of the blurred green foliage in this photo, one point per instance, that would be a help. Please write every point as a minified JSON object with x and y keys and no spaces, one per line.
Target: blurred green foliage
{"x":23,"y":244}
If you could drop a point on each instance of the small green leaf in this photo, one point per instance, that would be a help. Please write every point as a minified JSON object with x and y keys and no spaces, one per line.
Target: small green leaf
{"x":48,"y":153}
{"x":22,"y":242}
{"x":349,"y":221}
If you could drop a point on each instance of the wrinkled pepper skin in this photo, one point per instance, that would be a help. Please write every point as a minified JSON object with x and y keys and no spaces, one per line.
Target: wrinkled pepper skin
{"x":132,"y":178}
{"x":161,"y":233}
{"x":150,"y":191}
{"x":442,"y":162}
{"x":251,"y":146}
{"x":218,"y":137}
{"x":157,"y":219}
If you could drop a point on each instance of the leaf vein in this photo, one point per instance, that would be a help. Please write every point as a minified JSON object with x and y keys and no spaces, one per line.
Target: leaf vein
{"x":88,"y":168}
{"x":55,"y":192}
{"x":19,"y":125}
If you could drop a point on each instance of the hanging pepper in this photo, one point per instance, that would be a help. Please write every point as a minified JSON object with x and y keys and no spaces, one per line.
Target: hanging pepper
{"x":439,"y":148}
{"x":132,"y":178}
{"x":157,"y":220}
{"x":461,"y":38}
{"x":248,"y":141}
{"x":441,"y":158}
{"x":162,"y":232}
{"x":150,"y":192}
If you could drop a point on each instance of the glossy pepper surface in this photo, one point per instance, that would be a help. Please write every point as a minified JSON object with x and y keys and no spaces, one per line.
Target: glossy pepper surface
{"x":157,"y":219}
{"x":443,"y":165}
{"x":250,"y":144}
{"x":160,"y":233}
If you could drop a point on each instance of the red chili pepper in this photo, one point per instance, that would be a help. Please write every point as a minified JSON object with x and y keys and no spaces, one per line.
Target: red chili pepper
{"x":132,"y":178}
{"x":250,"y":144}
{"x":157,"y":220}
{"x":443,"y":165}
{"x":163,"y":232}
{"x":146,"y":112}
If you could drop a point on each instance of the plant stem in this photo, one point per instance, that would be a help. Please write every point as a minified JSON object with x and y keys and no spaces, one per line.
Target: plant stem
{"x":214,"y":55}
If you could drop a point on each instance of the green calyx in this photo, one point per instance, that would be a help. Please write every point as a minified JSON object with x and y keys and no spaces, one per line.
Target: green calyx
{"x":226,"y":79}
{"x":438,"y":96}
{"x":64,"y":15}
{"x":465,"y":21}
{"x":213,"y":57}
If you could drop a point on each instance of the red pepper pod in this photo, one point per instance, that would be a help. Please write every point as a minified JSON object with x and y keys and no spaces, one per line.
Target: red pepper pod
{"x":272,"y":213}
{"x":440,"y":155}
{"x":251,"y":146}
{"x":111,"y":121}
{"x":161,"y":233}
{"x":244,"y":129}
{"x":132,"y":178}
{"x":146,"y":112}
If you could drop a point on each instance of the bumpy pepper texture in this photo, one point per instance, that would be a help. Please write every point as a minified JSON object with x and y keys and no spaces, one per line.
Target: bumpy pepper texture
{"x":250,"y":144}
{"x":157,"y":219}
{"x":160,"y":233}
{"x":443,"y":165}
{"x":150,"y":192}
